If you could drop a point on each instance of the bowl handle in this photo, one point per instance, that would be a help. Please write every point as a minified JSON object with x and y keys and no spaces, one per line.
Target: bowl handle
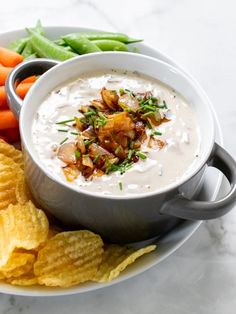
{"x":203,"y":210}
{"x":19,"y":73}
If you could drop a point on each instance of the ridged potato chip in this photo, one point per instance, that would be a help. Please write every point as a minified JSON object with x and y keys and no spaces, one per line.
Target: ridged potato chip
{"x":116,"y":258}
{"x":24,"y":280}
{"x":69,"y":258}
{"x":22,"y":191}
{"x":11,"y":152}
{"x":18,"y":265}
{"x":21,"y":226}
{"x":10,"y":172}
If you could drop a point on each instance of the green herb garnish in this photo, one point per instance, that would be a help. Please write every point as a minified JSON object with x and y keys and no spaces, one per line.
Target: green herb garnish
{"x":130,"y":154}
{"x":74,"y":133}
{"x":89,"y":113}
{"x":65,"y":121}
{"x":77,"y":154}
{"x":120,"y":186}
{"x":122,"y":91}
{"x":96,"y":159}
{"x":163,"y":106}
{"x":122,"y":167}
{"x":65,"y":139}
{"x":61,"y":130}
{"x":141,"y":155}
{"x":88,"y":142}
{"x":131,"y":144}
{"x":117,"y":150}
{"x":156,"y":133}
{"x":147,"y":114}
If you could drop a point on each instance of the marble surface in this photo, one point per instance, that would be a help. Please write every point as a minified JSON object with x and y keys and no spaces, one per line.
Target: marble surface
{"x":201,"y":276}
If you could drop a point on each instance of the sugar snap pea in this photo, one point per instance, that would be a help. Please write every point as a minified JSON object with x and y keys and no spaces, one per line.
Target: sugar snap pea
{"x":104,"y":35}
{"x":28,"y":50}
{"x":110,"y":45}
{"x":21,"y":44}
{"x":18,"y":45}
{"x":80,"y":44}
{"x":30,"y":57}
{"x":47,"y":49}
{"x":39,"y":28}
{"x":60,"y":42}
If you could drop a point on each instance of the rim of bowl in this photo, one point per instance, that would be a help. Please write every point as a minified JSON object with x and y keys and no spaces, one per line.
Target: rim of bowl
{"x":165,"y":189}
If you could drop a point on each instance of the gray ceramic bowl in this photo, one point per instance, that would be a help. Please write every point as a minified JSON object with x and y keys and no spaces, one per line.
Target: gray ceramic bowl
{"x":120,"y":218}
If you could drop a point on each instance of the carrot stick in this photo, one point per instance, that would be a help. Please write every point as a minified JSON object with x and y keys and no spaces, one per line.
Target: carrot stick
{"x":4,"y":71}
{"x":7,"y":120}
{"x":30,"y":79}
{"x":22,"y":89}
{"x":3,"y":98}
{"x":9,"y":58}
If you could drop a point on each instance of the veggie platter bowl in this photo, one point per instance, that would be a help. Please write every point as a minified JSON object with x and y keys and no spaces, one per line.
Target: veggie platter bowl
{"x":43,"y":255}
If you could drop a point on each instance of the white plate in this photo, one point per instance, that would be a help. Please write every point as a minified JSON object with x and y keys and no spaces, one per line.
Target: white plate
{"x":168,"y":243}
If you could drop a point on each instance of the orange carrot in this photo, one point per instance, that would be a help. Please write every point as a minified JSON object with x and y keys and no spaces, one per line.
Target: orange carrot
{"x":11,"y":135}
{"x":4,"y":71}
{"x":30,"y":79}
{"x":22,"y":89}
{"x":7,"y":120}
{"x":3,"y":98}
{"x":9,"y":58}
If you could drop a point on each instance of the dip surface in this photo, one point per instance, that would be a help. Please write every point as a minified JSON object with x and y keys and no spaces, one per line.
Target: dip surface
{"x":161,"y":168}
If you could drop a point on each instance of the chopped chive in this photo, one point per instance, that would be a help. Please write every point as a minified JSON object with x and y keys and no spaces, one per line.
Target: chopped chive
{"x":83,"y":121}
{"x":117,"y":150}
{"x":87,"y":142}
{"x":74,"y":133}
{"x":131,"y":144}
{"x":141,"y":155}
{"x":120,"y":186}
{"x":148,"y":107}
{"x":130,"y":154}
{"x":61,"y":130}
{"x":165,"y":105}
{"x":65,"y":121}
{"x":156,"y":133}
{"x":128,"y":110}
{"x":96,"y":159}
{"x":147,"y":114}
{"x":148,"y":124}
{"x":89,"y":113}
{"x":77,"y":154}
{"x":156,"y":116}
{"x":122,"y":91}
{"x":65,"y":139}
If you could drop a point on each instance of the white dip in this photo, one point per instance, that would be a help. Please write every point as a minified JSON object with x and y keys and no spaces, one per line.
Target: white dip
{"x":162,"y":166}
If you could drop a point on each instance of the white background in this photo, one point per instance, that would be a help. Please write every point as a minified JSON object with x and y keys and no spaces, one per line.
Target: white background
{"x":201,"y":35}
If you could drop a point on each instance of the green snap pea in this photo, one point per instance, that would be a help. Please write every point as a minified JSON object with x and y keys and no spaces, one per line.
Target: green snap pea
{"x":60,"y":42}
{"x":30,"y":57}
{"x":80,"y":44}
{"x":47,"y":49}
{"x":110,"y":45}
{"x":105,"y":35}
{"x":21,"y":44}
{"x":39,"y":28}
{"x":18,"y":45}
{"x":28,"y":50}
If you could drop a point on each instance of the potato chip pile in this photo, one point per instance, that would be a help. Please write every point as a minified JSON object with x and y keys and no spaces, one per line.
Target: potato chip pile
{"x":34,"y":252}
